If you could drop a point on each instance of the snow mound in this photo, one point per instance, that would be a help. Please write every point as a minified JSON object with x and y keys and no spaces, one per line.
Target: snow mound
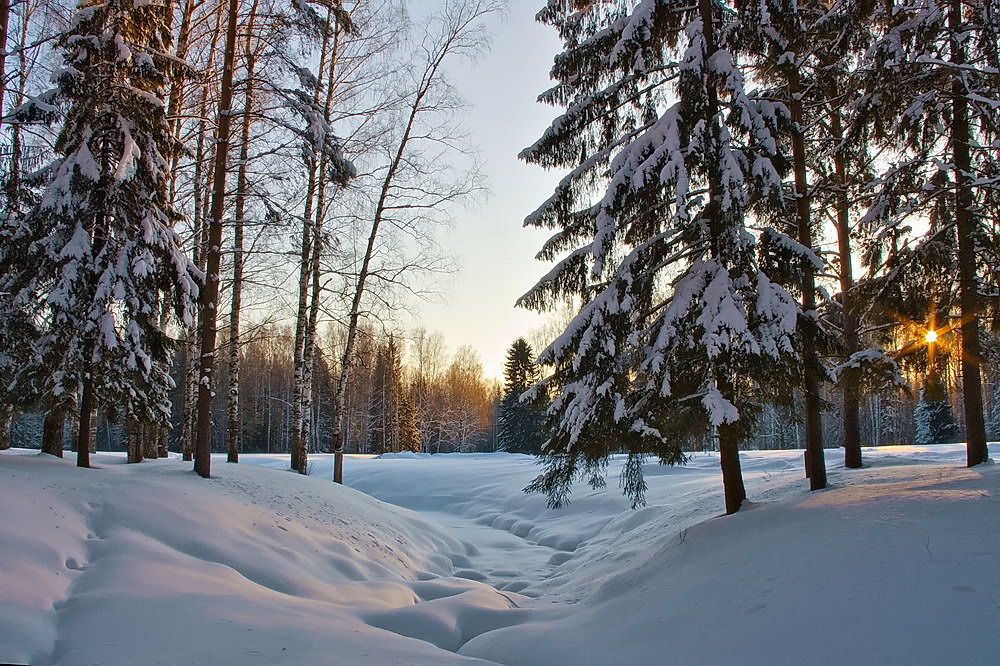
{"x":898,"y":569}
{"x":149,"y":563}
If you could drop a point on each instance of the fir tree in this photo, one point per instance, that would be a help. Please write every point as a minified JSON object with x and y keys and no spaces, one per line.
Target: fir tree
{"x":409,"y":435}
{"x":679,"y":331}
{"x":520,"y":427}
{"x":96,"y":260}
{"x":933,"y":418}
{"x":384,"y":404}
{"x":930,"y":84}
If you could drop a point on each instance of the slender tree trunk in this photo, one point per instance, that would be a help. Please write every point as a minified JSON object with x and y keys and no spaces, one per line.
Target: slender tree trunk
{"x":972,"y":383}
{"x":236,"y":301}
{"x":309,"y":343}
{"x":52,"y":430}
{"x":210,"y":291}
{"x":851,"y":392}
{"x":175,"y":101}
{"x":188,"y":430}
{"x":85,"y":434}
{"x":812,"y":371}
{"x":298,"y":445}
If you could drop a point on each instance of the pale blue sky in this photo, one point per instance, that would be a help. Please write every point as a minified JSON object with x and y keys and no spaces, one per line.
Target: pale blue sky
{"x":496,"y":254}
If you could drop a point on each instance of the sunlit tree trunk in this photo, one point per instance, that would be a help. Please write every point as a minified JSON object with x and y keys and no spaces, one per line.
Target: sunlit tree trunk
{"x":209,"y":298}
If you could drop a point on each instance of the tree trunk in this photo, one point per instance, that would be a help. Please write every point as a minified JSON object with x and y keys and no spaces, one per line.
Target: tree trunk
{"x":151,"y":441}
{"x":175,"y":101}
{"x":134,"y":450}
{"x":85,"y":434}
{"x":298,"y":446}
{"x":851,"y":393}
{"x":52,"y":430}
{"x":189,"y":427}
{"x":4,"y":22}
{"x":729,"y":436}
{"x":209,"y":300}
{"x":309,"y":342}
{"x":812,"y":371}
{"x":732,"y":473}
{"x":972,"y":383}
{"x":6,"y":417}
{"x":236,"y":300}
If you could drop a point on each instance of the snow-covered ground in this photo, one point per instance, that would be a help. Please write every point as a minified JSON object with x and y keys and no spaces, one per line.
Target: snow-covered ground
{"x":895,"y":563}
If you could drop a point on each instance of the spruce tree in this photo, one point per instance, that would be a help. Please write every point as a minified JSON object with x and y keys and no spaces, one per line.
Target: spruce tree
{"x":96,"y":260}
{"x":931,"y":89}
{"x":384,"y":404}
{"x":934,"y":420}
{"x":520,"y":426}
{"x":679,"y":332}
{"x":409,"y":435}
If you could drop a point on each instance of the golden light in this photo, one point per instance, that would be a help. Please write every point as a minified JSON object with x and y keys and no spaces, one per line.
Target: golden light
{"x":931,"y":336}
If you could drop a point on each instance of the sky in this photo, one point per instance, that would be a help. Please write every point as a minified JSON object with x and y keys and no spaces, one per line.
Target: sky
{"x":495,"y":253}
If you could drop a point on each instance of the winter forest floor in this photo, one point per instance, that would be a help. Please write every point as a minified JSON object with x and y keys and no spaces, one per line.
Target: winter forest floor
{"x":896,"y":563}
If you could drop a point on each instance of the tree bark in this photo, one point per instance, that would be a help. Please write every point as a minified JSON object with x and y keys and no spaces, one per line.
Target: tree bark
{"x":972,"y":383}
{"x":6,"y":417}
{"x":236,"y":299}
{"x":851,"y":393}
{"x":52,"y":430}
{"x":134,"y":450}
{"x":189,"y":428}
{"x":210,"y":291}
{"x":812,"y":371}
{"x":732,"y":473}
{"x":298,"y":455}
{"x":85,"y":434}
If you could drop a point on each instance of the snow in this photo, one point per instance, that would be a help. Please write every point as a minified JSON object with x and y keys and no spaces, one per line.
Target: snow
{"x":895,"y":563}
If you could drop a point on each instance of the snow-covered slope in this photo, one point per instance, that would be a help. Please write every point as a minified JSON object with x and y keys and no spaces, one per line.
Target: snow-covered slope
{"x":895,"y":563}
{"x":150,"y":564}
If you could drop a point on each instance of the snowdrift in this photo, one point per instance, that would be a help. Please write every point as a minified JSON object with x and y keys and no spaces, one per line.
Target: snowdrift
{"x":895,"y":563}
{"x":150,"y":564}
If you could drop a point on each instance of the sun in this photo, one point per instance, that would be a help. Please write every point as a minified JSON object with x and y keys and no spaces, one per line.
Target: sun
{"x":931,"y":337}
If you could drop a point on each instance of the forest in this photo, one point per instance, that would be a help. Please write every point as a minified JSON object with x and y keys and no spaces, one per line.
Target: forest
{"x":776,"y":229}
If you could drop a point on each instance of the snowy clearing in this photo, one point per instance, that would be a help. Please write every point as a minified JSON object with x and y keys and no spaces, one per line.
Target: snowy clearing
{"x":895,"y":563}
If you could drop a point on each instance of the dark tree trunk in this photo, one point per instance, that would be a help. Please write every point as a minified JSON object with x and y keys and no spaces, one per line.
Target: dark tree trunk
{"x":85,"y":435}
{"x":161,"y":443}
{"x":52,"y":431}
{"x":851,"y":393}
{"x":732,"y":473}
{"x":209,"y":300}
{"x":6,"y":416}
{"x":972,"y":383}
{"x":812,"y":371}
{"x":134,"y":449}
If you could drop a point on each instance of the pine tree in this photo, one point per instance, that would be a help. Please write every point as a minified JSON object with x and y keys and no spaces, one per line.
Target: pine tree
{"x":409,"y":435}
{"x":520,"y":427}
{"x":679,"y":331}
{"x":931,"y":89}
{"x":933,"y":419}
{"x":384,"y":404}
{"x":96,"y":259}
